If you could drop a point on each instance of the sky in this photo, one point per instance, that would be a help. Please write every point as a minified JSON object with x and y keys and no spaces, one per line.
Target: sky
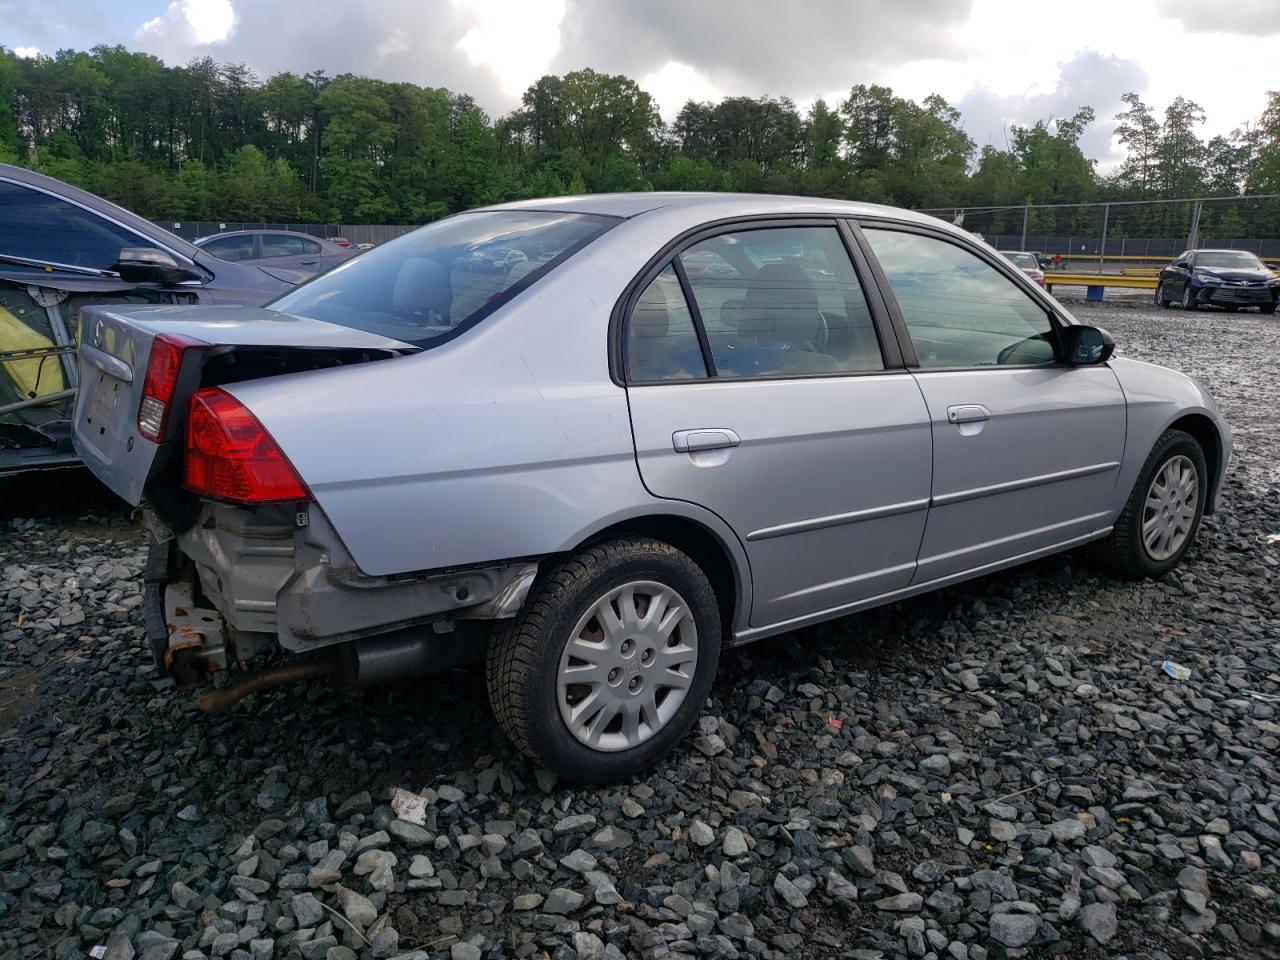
{"x":1000,"y":62}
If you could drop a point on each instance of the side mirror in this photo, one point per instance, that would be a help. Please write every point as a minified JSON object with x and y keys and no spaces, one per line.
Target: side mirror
{"x":1180,"y":264}
{"x":149,"y":265}
{"x":1088,"y":345}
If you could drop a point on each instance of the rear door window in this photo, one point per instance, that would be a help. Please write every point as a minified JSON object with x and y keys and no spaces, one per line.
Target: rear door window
{"x":780,"y":301}
{"x":662,"y":343}
{"x":286,"y":245}
{"x":40,"y":226}
{"x":231,"y":248}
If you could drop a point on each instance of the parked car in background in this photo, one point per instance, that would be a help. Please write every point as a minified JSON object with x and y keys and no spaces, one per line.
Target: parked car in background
{"x":62,"y":249}
{"x":274,"y":250}
{"x":595,"y":472}
{"x":1027,"y":263}
{"x":1220,"y":278}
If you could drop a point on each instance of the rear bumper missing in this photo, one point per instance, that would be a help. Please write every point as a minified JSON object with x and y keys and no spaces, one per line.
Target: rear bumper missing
{"x":242,"y":582}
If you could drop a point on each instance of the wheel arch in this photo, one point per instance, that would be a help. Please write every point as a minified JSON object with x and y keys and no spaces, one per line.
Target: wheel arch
{"x":717,"y":552}
{"x":1201,"y":427}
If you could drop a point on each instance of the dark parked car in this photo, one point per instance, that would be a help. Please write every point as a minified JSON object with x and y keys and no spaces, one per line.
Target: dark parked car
{"x":62,"y":249}
{"x":1221,"y":278}
{"x":277,"y":249}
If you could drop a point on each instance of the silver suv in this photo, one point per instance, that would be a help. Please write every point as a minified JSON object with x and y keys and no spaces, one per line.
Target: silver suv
{"x":693,"y":421}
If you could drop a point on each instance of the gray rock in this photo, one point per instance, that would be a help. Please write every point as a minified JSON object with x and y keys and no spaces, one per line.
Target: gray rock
{"x":1099,"y":920}
{"x":562,"y":900}
{"x":901,"y":903}
{"x":734,"y":843}
{"x":307,"y":910}
{"x":789,"y":892}
{"x":1013,"y":929}
{"x":356,"y":907}
{"x":700,"y":834}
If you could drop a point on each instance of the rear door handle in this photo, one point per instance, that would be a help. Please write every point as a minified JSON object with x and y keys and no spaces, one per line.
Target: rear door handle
{"x":968,"y":413}
{"x":708,"y":438}
{"x":309,"y":263}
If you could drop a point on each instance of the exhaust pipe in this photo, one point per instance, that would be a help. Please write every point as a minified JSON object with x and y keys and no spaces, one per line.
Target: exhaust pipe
{"x":227,"y":697}
{"x":363,"y":663}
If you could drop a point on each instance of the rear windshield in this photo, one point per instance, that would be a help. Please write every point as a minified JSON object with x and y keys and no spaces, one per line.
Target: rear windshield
{"x":429,"y":285}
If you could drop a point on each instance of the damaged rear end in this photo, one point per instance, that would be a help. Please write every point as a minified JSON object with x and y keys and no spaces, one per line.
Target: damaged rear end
{"x":244,"y":562}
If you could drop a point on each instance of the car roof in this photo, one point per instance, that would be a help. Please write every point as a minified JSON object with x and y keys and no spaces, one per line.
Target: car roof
{"x":98,"y":205}
{"x":1220,"y":250}
{"x":711,"y":206}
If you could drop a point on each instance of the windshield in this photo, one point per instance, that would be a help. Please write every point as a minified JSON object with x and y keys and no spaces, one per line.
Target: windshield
{"x":1026,"y":261}
{"x":429,"y":285}
{"x":1228,"y":258}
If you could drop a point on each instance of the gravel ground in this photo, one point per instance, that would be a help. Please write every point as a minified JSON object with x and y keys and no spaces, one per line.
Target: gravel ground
{"x":1000,"y":769}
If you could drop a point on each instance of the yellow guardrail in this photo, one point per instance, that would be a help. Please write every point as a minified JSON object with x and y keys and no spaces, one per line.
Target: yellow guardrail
{"x":1052,"y":278}
{"x":1141,"y":271}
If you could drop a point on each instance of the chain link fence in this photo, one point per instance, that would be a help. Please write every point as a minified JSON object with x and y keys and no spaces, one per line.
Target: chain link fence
{"x":355,"y":232}
{"x":1113,"y":235}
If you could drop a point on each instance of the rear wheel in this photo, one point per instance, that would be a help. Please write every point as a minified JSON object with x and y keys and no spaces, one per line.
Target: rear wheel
{"x":1161,"y":300}
{"x":1161,"y":517}
{"x":609,"y":662}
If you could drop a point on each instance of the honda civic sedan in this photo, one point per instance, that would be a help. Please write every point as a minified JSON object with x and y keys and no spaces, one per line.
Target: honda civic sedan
{"x":598,"y":471}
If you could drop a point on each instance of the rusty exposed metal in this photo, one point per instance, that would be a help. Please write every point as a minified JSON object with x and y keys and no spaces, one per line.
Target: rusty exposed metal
{"x":233,"y":693}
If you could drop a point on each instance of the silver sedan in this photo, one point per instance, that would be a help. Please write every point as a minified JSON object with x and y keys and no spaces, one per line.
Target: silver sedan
{"x":674,"y":423}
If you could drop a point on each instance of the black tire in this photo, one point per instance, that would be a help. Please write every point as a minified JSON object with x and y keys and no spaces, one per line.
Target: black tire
{"x":524,"y":654}
{"x":1123,"y":551}
{"x":1188,"y":300}
{"x":1269,"y":308}
{"x":1161,"y":300}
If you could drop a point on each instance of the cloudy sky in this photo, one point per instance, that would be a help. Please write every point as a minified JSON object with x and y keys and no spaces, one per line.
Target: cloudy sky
{"x":1001,"y":62}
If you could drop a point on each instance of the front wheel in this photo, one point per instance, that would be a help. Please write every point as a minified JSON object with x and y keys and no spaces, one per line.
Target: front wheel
{"x":1189,"y":298}
{"x":1160,"y":519}
{"x":1268,"y":308}
{"x":607,"y":666}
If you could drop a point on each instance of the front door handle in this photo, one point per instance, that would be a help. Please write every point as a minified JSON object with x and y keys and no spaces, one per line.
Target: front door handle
{"x":309,"y":263}
{"x":708,"y":438}
{"x":968,"y":413}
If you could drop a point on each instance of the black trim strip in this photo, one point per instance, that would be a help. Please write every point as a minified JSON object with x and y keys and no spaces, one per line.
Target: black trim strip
{"x":977,"y":493}
{"x":695,"y":311}
{"x":838,"y":519}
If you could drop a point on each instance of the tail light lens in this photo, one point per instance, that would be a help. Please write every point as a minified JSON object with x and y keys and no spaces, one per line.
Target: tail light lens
{"x":230,"y":455}
{"x":161,"y":380}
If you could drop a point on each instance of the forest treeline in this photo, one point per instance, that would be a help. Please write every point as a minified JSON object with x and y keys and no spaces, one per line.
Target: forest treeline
{"x":214,"y":141}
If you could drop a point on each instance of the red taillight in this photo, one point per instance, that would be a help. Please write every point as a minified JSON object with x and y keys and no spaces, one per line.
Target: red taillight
{"x":230,"y":456}
{"x":162,"y":378}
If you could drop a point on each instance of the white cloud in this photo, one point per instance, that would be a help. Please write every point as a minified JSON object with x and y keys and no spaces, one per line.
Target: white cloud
{"x":516,"y":39}
{"x":397,"y":42}
{"x":26,"y":53}
{"x":192,"y":23}
{"x":676,"y":83}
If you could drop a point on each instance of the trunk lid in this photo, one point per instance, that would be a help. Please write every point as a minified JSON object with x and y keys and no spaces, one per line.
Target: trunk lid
{"x":245,"y":343}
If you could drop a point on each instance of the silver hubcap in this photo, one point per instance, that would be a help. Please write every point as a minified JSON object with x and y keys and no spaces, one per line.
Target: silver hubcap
{"x":1170,"y":508}
{"x":628,"y":666}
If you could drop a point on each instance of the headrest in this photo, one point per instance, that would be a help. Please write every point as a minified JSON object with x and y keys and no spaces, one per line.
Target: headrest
{"x":781,"y":302}
{"x":423,"y":286}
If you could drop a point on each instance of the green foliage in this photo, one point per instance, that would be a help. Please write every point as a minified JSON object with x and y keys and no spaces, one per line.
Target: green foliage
{"x":213,"y":141}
